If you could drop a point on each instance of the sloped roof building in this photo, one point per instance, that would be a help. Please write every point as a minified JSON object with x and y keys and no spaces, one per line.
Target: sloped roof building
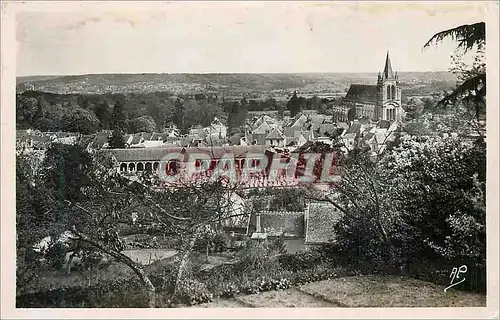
{"x":381,"y":101}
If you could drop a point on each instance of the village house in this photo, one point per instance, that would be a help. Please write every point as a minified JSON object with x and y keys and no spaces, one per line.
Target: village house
{"x":216,"y":128}
{"x":276,"y":138}
{"x":299,"y":230}
{"x":263,"y":128}
{"x":172,"y":131}
{"x":299,"y":122}
{"x":101,"y":140}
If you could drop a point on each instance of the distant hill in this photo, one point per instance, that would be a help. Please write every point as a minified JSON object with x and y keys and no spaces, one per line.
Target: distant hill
{"x":244,"y":83}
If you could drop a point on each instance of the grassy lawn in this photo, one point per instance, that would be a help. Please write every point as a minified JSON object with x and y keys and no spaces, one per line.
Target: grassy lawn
{"x":359,"y":291}
{"x":152,"y":259}
{"x":54,"y":279}
{"x":291,"y":298}
{"x":148,"y":256}
{"x":227,"y":280}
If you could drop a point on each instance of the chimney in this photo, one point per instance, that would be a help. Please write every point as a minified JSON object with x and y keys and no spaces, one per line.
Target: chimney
{"x":257,"y":223}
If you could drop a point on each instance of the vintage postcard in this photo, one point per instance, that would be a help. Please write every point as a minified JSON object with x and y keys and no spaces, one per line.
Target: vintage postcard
{"x":197,"y":159}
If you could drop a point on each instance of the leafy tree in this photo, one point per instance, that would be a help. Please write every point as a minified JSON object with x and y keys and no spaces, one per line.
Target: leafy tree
{"x":294,"y":105}
{"x":55,"y":115}
{"x":199,"y":113}
{"x":164,"y":114}
{"x":473,"y":88}
{"x":429,"y":105}
{"x":65,"y":171}
{"x":119,"y":118}
{"x":117,"y":141}
{"x":423,"y":199}
{"x":142,"y":124}
{"x":80,"y":120}
{"x":440,"y":186}
{"x":31,"y":221}
{"x":207,"y":112}
{"x":416,"y":128}
{"x":83,"y":102}
{"x":281,"y":110}
{"x":192,"y":210}
{"x":92,"y":200}
{"x":314,"y":103}
{"x":179,"y":114}
{"x":363,"y":232}
{"x":45,"y":124}
{"x":237,"y":114}
{"x":25,"y":109}
{"x":104,"y":114}
{"x":254,"y":105}
{"x":290,"y":199}
{"x":42,"y":106}
{"x":414,"y":109}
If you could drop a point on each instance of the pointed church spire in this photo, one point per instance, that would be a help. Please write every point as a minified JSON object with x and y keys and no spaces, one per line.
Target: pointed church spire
{"x":388,"y":74}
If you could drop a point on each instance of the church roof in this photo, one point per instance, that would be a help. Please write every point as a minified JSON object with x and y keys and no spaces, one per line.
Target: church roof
{"x":362,"y":93}
{"x":388,"y":73}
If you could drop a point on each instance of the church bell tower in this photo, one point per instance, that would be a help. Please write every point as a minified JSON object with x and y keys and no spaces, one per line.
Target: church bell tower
{"x":388,"y":94}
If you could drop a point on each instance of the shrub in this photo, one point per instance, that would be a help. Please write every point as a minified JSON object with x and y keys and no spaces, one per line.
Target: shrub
{"x":192,"y":291}
{"x":56,"y":255}
{"x":214,"y":242}
{"x":91,"y":258}
{"x":28,"y":266}
{"x":270,"y":274}
{"x":278,"y":246}
{"x":357,"y":241}
{"x":434,"y":208}
{"x":220,"y":242}
{"x":439,"y":273}
{"x":121,"y":292}
{"x":320,"y":272}
{"x":442,"y":200}
{"x":301,"y":260}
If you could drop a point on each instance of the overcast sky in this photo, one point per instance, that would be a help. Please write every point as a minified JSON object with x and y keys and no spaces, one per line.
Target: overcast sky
{"x":234,"y":37}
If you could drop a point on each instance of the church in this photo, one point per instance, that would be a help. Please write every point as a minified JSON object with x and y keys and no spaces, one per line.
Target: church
{"x":374,"y":102}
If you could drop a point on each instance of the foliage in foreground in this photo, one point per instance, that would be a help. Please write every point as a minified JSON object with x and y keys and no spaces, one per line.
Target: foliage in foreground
{"x":430,"y":197}
{"x":271,"y":272}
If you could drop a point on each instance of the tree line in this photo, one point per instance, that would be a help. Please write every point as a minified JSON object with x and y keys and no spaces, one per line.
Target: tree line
{"x":150,"y":112}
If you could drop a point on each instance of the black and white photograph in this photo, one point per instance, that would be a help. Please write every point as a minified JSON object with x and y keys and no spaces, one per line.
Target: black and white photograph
{"x":324,"y":156}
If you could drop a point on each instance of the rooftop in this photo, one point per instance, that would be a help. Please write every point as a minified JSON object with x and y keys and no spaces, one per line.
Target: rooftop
{"x":362,"y":93}
{"x":320,"y":221}
{"x":159,"y":153}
